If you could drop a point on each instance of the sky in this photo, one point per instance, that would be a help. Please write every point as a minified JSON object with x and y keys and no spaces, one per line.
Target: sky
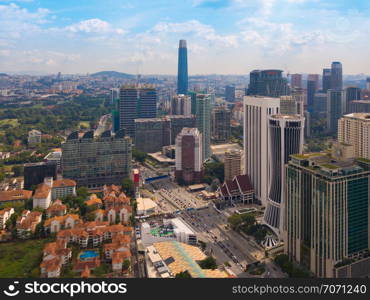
{"x":223,"y":36}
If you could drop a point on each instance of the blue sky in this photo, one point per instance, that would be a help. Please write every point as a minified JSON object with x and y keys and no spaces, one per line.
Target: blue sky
{"x":224,"y":36}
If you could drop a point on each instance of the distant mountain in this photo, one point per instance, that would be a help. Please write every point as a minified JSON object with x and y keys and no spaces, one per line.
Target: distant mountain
{"x":113,"y":74}
{"x":3,"y":74}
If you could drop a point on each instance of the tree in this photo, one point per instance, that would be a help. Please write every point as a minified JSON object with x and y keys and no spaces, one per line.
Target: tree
{"x":214,"y":170}
{"x":184,"y":274}
{"x":128,"y":187}
{"x":126,"y":264}
{"x":208,"y":263}
{"x":83,"y":192}
{"x":235,"y":221}
{"x":138,"y":155}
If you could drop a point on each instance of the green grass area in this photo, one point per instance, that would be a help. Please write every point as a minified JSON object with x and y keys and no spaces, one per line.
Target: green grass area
{"x":21,"y":259}
{"x":11,"y":122}
{"x":329,"y":166}
{"x":365,"y":160}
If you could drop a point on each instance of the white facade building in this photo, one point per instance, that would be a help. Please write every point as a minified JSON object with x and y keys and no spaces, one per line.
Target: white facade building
{"x":256,"y":144}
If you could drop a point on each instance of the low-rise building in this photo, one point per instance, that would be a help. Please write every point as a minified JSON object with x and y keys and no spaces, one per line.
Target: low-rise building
{"x":55,"y":224}
{"x":15,"y":196}
{"x":146,"y":207}
{"x":5,"y":215}
{"x":57,"y":208}
{"x":27,"y":222}
{"x":55,"y":255}
{"x":167,"y":259}
{"x":34,"y":137}
{"x":62,"y":188}
{"x":238,"y":190}
{"x":171,"y":230}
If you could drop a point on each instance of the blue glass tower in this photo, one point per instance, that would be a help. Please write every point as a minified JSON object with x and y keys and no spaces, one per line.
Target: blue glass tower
{"x":182,"y":72}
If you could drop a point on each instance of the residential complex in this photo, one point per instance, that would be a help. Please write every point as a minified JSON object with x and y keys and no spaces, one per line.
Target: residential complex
{"x":354,"y":129}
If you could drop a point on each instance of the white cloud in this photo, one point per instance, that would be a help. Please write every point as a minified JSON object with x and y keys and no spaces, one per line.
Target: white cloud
{"x":94,"y":26}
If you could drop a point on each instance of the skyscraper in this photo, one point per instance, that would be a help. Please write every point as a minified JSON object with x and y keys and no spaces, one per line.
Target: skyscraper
{"x":311,"y":90}
{"x":326,"y":80}
{"x":189,"y":156}
{"x":326,"y":224}
{"x":230,"y":93}
{"x":182,"y":71}
{"x":256,"y":142}
{"x":220,"y":125}
{"x":269,"y":83}
{"x":351,"y":93}
{"x":354,"y":129}
{"x":232,"y":164}
{"x":181,"y":105}
{"x":336,"y":104}
{"x":203,"y":121}
{"x":368,"y":83}
{"x":296,"y":80}
{"x":336,"y":76}
{"x":285,"y":136}
{"x":136,"y":102}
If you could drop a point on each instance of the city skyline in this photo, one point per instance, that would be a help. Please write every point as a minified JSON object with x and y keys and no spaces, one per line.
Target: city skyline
{"x":224,"y":37}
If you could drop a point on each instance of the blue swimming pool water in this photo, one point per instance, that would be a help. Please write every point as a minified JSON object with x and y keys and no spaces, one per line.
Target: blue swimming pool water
{"x":88,"y":254}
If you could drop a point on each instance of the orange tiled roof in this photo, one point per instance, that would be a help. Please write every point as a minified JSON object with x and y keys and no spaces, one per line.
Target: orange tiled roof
{"x":61,"y":219}
{"x":15,"y":195}
{"x":42,"y":191}
{"x":63,"y":182}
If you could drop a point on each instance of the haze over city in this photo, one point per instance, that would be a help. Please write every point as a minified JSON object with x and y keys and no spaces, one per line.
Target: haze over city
{"x":224,"y":36}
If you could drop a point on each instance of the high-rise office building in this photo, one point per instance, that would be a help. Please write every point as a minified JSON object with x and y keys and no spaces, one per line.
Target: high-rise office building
{"x":311,"y":90}
{"x":96,"y":161}
{"x":181,"y":105}
{"x":288,"y":105}
{"x":151,"y":135}
{"x":326,"y":224}
{"x":220,"y":125}
{"x":35,"y":173}
{"x":336,"y":76}
{"x":177,"y":123}
{"x":326,"y":80}
{"x":193,"y":96}
{"x":269,"y":83}
{"x":316,"y":78}
{"x":336,"y":104}
{"x":320,"y":105}
{"x":286,"y":134}
{"x":232,"y":164}
{"x":182,"y":71}
{"x":354,"y":129}
{"x":256,"y":142}
{"x":351,"y":93}
{"x":296,"y":80}
{"x":230,"y":93}
{"x":203,"y":122}
{"x":299,"y":97}
{"x":136,"y":102}
{"x":358,"y":106}
{"x":368,"y":83}
{"x":189,"y":156}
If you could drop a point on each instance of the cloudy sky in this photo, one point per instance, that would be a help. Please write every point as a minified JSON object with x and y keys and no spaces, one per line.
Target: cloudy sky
{"x":224,"y":36}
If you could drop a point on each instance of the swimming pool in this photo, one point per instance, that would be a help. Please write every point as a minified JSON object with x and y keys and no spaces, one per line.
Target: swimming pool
{"x":88,"y":254}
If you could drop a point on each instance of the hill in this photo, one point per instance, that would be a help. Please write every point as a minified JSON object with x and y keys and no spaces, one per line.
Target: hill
{"x":113,"y":74}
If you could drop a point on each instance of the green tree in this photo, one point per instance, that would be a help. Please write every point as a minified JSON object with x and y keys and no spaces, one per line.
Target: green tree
{"x":126,"y":264}
{"x":208,"y":263}
{"x":184,"y":274}
{"x":128,"y":187}
{"x":138,"y":155}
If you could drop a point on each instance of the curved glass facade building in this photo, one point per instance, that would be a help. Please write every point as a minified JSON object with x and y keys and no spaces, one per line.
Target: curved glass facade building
{"x":285,"y":134}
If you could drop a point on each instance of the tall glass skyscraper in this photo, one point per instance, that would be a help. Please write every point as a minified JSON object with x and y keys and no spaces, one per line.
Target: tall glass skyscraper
{"x":182,"y":71}
{"x":203,"y":122}
{"x":336,"y":76}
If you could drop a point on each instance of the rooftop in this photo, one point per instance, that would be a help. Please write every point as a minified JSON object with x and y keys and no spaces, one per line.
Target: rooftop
{"x":359,"y":116}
